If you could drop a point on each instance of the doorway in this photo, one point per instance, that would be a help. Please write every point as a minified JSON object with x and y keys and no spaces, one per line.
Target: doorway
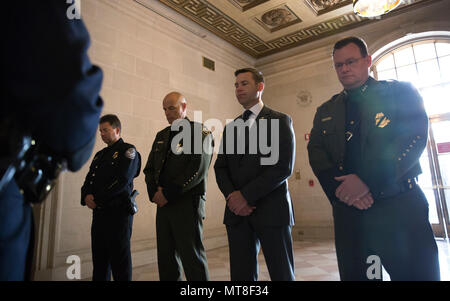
{"x":435,"y":179}
{"x":426,"y":64}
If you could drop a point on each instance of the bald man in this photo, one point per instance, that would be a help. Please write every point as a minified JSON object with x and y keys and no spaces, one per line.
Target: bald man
{"x":176,"y":173}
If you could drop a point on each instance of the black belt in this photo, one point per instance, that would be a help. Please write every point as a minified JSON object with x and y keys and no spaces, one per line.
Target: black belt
{"x":393,"y":190}
{"x":114,"y":203}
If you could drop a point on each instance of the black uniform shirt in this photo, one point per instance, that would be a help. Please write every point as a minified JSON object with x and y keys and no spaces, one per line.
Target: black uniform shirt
{"x":353,"y":103}
{"x":171,"y":192}
{"x":111,"y":173}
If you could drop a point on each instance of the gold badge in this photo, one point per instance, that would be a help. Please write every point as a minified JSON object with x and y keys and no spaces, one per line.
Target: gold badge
{"x":326,"y":118}
{"x":179,"y":148}
{"x":381,"y":120}
{"x":115,"y":155}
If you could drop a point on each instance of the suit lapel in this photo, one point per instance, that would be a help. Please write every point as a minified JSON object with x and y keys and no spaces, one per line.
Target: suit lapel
{"x":263,"y":114}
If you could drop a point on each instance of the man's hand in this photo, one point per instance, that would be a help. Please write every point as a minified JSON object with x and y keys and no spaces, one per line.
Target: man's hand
{"x":245,"y":211}
{"x":238,"y":204}
{"x":89,"y":200}
{"x":159,"y":198}
{"x":351,"y":189}
{"x":364,"y":202}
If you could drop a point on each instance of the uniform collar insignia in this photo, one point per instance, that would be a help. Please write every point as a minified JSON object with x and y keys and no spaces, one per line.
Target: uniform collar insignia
{"x":364,"y":88}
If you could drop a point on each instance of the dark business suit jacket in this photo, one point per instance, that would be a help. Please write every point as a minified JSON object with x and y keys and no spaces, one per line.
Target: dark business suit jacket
{"x":263,"y":186}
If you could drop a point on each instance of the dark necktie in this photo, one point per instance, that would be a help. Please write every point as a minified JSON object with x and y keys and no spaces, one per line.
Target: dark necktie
{"x":246,"y":115}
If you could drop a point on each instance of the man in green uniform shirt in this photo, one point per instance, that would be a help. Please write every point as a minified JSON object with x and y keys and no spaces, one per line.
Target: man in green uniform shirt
{"x":364,"y":148}
{"x":176,"y":174}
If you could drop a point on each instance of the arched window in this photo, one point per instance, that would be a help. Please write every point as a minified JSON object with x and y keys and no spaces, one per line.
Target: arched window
{"x":425,"y":62}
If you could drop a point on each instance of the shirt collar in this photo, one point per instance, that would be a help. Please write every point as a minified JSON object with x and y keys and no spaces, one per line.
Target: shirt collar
{"x":256,"y":109}
{"x":120,"y":140}
{"x":361,"y":89}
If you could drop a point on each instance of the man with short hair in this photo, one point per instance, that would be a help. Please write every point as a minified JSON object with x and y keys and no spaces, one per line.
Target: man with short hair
{"x":176,"y":173}
{"x":106,"y":190}
{"x":258,"y":208}
{"x":364,"y":148}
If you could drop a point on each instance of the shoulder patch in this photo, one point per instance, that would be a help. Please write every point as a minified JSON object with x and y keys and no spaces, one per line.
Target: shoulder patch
{"x":130,"y":153}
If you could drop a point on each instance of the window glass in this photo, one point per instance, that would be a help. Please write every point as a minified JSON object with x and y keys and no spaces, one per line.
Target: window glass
{"x":404,"y":57}
{"x":408,"y":74}
{"x":423,"y":52}
{"x":389,"y":74}
{"x":443,"y":49}
{"x":444,"y":65}
{"x":428,"y":72}
{"x":386,"y":63}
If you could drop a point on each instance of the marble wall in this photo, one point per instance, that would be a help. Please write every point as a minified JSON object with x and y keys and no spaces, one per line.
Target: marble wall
{"x":144,"y":56}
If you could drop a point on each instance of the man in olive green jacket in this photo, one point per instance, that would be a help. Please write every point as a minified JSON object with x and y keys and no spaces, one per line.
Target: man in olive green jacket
{"x":176,"y":174}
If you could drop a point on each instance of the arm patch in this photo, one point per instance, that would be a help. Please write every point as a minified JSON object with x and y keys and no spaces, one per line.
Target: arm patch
{"x":130,"y":153}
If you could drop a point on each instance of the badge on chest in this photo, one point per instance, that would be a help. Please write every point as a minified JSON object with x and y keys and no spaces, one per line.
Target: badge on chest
{"x":381,"y":120}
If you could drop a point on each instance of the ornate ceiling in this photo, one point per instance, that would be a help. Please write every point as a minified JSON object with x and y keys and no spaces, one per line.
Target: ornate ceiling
{"x":264,"y":27}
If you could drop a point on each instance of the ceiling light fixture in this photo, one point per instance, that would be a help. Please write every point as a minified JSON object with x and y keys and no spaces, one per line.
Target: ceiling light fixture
{"x":374,"y":8}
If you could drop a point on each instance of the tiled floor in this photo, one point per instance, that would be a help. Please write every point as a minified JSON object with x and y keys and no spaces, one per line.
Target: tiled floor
{"x":314,"y":261}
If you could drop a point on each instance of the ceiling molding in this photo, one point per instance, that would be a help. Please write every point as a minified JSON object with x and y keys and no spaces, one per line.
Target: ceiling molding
{"x":246,"y":5}
{"x":207,"y":15}
{"x":160,"y":17}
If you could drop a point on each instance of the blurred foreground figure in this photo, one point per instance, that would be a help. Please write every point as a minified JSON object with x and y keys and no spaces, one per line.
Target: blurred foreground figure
{"x":49,"y":114}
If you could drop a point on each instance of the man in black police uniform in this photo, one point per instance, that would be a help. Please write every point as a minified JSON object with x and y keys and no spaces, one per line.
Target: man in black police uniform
{"x":364,"y":148}
{"x":50,"y":91}
{"x":106,"y":191}
{"x":176,"y":174}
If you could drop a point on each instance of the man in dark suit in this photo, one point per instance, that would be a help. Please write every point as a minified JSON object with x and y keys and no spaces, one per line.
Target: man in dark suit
{"x":253,"y":180}
{"x":51,"y":93}
{"x":176,"y":174}
{"x":364,"y":148}
{"x":106,"y":190}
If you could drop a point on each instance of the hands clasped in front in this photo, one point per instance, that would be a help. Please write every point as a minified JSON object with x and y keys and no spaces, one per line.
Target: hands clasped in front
{"x":238,"y":204}
{"x":89,"y":200}
{"x":354,"y":192}
{"x":159,"y":198}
